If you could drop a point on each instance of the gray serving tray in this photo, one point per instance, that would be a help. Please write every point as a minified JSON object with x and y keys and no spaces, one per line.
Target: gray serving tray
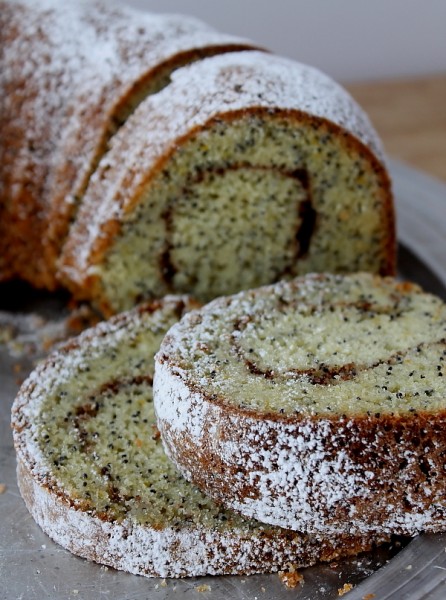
{"x":32,"y":567}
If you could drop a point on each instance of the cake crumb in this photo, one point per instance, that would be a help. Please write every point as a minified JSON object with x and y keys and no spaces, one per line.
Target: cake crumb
{"x":347,"y":587}
{"x":369,"y":597}
{"x":2,"y":488}
{"x":291,"y":578}
{"x":156,"y":433}
{"x":163,"y":583}
{"x":203,"y":588}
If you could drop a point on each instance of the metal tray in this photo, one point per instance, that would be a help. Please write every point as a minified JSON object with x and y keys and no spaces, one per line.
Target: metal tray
{"x":32,"y":567}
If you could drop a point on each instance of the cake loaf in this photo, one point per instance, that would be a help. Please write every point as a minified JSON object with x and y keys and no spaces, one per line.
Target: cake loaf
{"x":246,"y":169}
{"x":93,"y":473}
{"x":317,"y":404}
{"x":71,"y":73}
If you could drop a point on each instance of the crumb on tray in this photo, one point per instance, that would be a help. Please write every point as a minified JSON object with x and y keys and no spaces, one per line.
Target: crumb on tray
{"x":291,"y":578}
{"x":203,"y":588}
{"x":347,"y":587}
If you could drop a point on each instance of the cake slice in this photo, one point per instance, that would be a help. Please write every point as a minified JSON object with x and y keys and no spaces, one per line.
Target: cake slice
{"x":94,"y":476}
{"x":317,"y":404}
{"x":246,"y":169}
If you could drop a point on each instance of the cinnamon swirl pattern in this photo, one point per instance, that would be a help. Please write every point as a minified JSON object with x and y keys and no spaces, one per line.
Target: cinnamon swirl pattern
{"x":318,"y":404}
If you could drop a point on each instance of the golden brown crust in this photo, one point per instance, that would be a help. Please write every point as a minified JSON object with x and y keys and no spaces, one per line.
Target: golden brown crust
{"x":403,"y":455}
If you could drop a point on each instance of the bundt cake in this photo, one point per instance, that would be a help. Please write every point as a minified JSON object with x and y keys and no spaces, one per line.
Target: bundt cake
{"x":93,"y":473}
{"x":317,"y":404}
{"x":71,"y":73}
{"x":246,"y":169}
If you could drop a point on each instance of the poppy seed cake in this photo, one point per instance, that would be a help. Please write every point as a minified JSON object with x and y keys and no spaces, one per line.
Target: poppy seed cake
{"x":317,"y":404}
{"x":93,"y":473}
{"x":71,"y":74}
{"x":246,"y":169}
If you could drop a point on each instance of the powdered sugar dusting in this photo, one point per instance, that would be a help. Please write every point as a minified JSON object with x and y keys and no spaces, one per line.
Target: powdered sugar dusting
{"x":211,"y":541}
{"x":170,"y":552}
{"x":315,"y":468}
{"x":66,"y":72}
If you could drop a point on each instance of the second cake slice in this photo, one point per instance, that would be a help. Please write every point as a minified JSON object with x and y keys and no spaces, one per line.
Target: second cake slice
{"x":318,"y":404}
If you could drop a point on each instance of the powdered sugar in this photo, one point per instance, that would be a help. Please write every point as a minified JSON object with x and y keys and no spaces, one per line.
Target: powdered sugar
{"x":238,"y":81}
{"x":68,"y":76}
{"x":201,"y":538}
{"x":169,"y":552}
{"x":89,"y":51}
{"x":179,"y":413}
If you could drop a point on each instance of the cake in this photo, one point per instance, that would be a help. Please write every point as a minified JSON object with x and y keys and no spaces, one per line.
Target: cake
{"x":71,"y":73}
{"x":317,"y":404}
{"x":94,"y":476}
{"x":122,"y":183}
{"x":246,"y":169}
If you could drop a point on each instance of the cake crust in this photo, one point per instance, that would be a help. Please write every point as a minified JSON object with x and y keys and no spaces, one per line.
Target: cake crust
{"x":169,"y":552}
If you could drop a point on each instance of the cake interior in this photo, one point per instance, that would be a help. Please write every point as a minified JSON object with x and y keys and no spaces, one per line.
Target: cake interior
{"x":95,"y":431}
{"x":329,"y":346}
{"x":245,"y":201}
{"x":107,"y":454}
